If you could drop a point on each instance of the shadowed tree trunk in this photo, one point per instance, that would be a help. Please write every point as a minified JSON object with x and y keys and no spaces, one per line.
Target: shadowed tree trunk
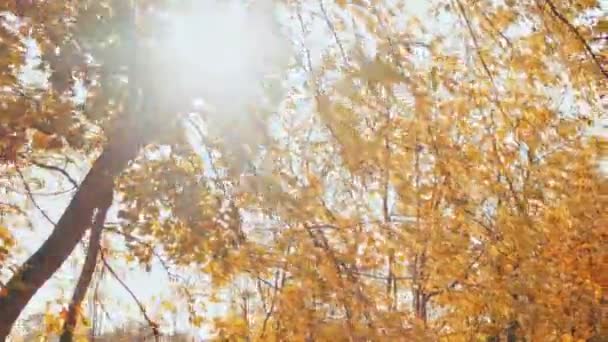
{"x":90,"y":196}
{"x":123,"y":144}
{"x":87,"y":271}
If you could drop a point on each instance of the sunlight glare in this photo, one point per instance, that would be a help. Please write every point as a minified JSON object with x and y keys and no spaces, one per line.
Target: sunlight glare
{"x":223,"y":52}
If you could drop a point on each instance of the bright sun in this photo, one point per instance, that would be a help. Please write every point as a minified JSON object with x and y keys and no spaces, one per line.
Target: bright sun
{"x":221,"y":49}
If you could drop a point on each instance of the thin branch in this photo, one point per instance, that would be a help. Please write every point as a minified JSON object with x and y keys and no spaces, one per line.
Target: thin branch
{"x":482,"y":224}
{"x":381,"y":277}
{"x":30,"y":194}
{"x":496,"y":30}
{"x":475,"y":42}
{"x":280,"y":276}
{"x":332,"y":28}
{"x":31,"y":197}
{"x":96,"y":298}
{"x":150,"y":247}
{"x":207,"y":144}
{"x":266,"y":282}
{"x":153,"y":325}
{"x":500,"y":108}
{"x":466,"y":273}
{"x":270,"y":311}
{"x":578,"y":35}
{"x":303,"y":29}
{"x":102,"y":306}
{"x":314,"y":84}
{"x":44,"y":194}
{"x":57,"y":169}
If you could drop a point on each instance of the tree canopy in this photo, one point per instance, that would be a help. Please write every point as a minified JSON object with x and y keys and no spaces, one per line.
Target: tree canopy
{"x":351,"y":170}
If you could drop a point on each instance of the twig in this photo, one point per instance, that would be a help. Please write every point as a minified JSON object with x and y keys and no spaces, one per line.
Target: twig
{"x":317,"y":92}
{"x":475,"y":42}
{"x":31,"y":197}
{"x":303,"y":29}
{"x":380,"y":277}
{"x":279,"y":281}
{"x":578,"y":35}
{"x":44,"y":194}
{"x":96,"y":298}
{"x":332,"y":28}
{"x":466,"y":272}
{"x":496,"y":30}
{"x":57,"y":169}
{"x":102,"y":306}
{"x":153,"y":325}
{"x":208,"y":147}
{"x":266,"y":282}
{"x":270,"y":311}
{"x":498,"y":103}
{"x":150,"y":247}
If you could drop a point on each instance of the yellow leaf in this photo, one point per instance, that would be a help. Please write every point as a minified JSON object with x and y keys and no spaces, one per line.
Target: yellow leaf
{"x":167,"y":305}
{"x":197,"y":321}
{"x":493,"y":251}
{"x":5,"y":234}
{"x":567,"y":338}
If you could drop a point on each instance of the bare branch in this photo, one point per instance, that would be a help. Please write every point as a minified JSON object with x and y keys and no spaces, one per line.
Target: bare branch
{"x":150,"y":247}
{"x":153,"y":325}
{"x":303,"y":29}
{"x":467,"y":21}
{"x":381,"y":277}
{"x":57,"y":169}
{"x":96,"y":298}
{"x":31,"y":197}
{"x":332,"y":29}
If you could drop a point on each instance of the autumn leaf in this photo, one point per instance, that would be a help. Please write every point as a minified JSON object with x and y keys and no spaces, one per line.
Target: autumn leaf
{"x":41,"y":140}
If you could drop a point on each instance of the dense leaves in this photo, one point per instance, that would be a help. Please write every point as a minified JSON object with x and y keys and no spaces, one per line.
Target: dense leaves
{"x":429,"y":177}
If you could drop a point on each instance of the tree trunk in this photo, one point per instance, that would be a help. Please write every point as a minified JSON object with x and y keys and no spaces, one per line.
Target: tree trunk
{"x":122,"y":147}
{"x":87,"y":271}
{"x":124,"y":141}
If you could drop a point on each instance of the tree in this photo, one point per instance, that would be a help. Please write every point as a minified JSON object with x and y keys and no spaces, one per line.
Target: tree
{"x":435,"y":189}
{"x":123,"y":145}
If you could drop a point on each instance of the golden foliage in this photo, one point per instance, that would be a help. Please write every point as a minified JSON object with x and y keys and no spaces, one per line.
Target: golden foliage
{"x":438,"y":190}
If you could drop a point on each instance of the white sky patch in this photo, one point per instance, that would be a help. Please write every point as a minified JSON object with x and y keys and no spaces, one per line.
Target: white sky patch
{"x":231,"y":57}
{"x":224,"y":52}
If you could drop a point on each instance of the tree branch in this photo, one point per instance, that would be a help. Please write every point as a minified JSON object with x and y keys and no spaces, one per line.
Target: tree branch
{"x":88,"y":268}
{"x":153,"y":325}
{"x":578,"y":36}
{"x":57,"y":169}
{"x":333,"y":31}
{"x":152,"y":250}
{"x":31,"y":197}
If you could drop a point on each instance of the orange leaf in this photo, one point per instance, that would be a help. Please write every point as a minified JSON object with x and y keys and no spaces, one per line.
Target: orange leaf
{"x":41,"y":140}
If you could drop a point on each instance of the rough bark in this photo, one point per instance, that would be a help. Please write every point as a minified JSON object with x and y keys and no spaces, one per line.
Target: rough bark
{"x":121,"y":148}
{"x":86,"y":274}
